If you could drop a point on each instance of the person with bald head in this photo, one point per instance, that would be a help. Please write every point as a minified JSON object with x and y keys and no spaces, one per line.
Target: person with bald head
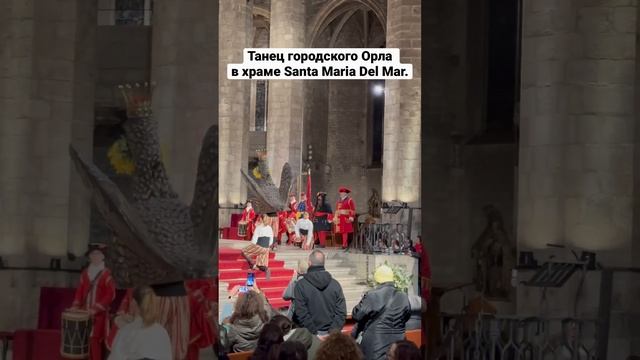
{"x":318,"y":299}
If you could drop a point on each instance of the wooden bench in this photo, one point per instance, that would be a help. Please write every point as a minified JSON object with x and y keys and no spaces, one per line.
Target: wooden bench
{"x":415,"y":336}
{"x":245,"y":355}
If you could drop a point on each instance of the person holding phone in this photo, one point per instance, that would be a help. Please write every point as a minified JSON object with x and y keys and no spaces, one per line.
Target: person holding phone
{"x":260,"y":245}
{"x":244,"y":326}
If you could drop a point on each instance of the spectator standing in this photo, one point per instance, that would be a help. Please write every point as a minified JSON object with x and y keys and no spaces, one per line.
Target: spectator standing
{"x":381,"y":316}
{"x":318,"y":299}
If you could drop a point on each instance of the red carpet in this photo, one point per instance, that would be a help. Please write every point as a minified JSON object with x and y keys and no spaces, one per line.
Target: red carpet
{"x":233,"y":270}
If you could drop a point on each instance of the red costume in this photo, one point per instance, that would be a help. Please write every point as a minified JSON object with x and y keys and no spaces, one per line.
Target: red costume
{"x":249,"y":216}
{"x":282,"y":226}
{"x":293,"y":205}
{"x":96,"y":295}
{"x":345,"y":216}
{"x":308,"y":205}
{"x":202,"y":297}
{"x":425,"y":275}
{"x":425,"y":286}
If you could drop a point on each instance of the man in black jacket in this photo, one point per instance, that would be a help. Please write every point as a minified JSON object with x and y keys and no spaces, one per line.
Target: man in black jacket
{"x":318,"y":299}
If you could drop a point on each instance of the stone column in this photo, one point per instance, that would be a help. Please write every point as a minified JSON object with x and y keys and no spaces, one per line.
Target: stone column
{"x":185,"y":67}
{"x":576,"y":137}
{"x":286,"y":101}
{"x":401,"y":156}
{"x":46,"y":104}
{"x":82,"y":122}
{"x":235,"y":32}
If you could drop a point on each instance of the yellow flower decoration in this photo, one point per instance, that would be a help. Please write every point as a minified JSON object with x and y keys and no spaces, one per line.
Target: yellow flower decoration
{"x":256,"y":173}
{"x":120,"y":159}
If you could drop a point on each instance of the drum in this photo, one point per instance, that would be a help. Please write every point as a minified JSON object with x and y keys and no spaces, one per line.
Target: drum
{"x":76,"y":330}
{"x":242,"y":228}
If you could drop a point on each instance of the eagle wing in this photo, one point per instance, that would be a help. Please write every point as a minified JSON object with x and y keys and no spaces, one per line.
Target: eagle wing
{"x":286,"y":182}
{"x":133,"y":259}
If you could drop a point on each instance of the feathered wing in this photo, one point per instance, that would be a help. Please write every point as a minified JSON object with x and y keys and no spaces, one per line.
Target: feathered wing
{"x":259,"y":205}
{"x":132,"y":258}
{"x":266,"y":192}
{"x":286,"y":182}
{"x":204,"y":206}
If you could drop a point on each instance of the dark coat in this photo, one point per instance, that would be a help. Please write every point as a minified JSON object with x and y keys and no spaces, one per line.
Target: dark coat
{"x":319,"y":301}
{"x":321,"y":223}
{"x":381,"y":325}
{"x":306,"y":338}
{"x":243,"y":334}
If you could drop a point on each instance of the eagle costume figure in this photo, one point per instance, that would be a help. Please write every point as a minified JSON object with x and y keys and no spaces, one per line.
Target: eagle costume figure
{"x":158,"y":238}
{"x":266,"y":197}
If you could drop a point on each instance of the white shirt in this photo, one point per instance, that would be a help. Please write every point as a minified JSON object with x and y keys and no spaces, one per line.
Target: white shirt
{"x":262,"y":231}
{"x":305,"y":224}
{"x":134,"y":342}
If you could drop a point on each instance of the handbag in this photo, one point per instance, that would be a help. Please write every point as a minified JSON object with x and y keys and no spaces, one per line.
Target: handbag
{"x":360,"y":334}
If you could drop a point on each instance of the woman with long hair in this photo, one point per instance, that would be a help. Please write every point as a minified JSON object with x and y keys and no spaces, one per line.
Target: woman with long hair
{"x":404,"y":350}
{"x":269,"y":342}
{"x":246,"y":322}
{"x":144,"y":337}
{"x":338,"y":346}
{"x":301,"y":335}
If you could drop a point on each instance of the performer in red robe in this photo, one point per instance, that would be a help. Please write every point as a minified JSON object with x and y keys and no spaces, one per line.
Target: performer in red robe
{"x":249,"y":216}
{"x":282,"y":226}
{"x":95,"y":294}
{"x":293,"y":204}
{"x":425,"y":286}
{"x":291,"y":218}
{"x":202,"y":297}
{"x":345,"y":216}
{"x":425,"y":273}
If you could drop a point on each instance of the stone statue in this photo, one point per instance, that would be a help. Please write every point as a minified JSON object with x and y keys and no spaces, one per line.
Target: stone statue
{"x":494,"y":257}
{"x":158,"y":238}
{"x":374,"y":204}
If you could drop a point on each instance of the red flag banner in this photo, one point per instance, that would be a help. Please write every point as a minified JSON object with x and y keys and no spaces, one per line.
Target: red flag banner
{"x":309,"y":202}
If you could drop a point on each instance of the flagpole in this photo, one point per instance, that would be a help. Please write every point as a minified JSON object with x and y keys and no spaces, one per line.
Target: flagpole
{"x":301,"y":154}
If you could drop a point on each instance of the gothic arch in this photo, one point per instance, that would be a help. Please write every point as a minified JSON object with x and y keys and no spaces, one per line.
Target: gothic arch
{"x":260,"y":11}
{"x":336,"y":8}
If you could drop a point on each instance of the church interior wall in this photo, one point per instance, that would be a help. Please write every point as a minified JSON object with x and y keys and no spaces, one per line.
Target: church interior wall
{"x":122,"y":57}
{"x":21,"y":295}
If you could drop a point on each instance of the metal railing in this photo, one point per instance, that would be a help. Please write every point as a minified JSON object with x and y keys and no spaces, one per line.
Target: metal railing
{"x":379,"y":238}
{"x":489,"y":337}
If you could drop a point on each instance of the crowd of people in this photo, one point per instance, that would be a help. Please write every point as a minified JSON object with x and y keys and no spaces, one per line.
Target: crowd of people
{"x":312,"y":327}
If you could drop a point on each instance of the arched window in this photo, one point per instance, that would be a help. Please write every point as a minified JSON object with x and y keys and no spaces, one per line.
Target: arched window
{"x":124,"y":12}
{"x":377,"y":121}
{"x":261,"y":105}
